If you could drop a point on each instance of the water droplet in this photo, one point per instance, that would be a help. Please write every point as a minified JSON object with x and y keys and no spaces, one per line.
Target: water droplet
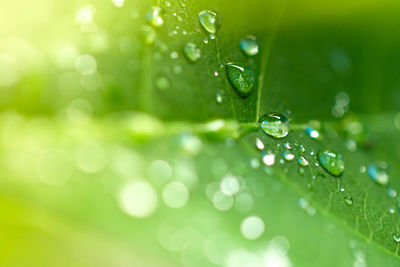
{"x":363,"y":169}
{"x":302,"y":171}
{"x":287,"y":155}
{"x":252,"y":227}
{"x":216,"y":74}
{"x":118,"y":3}
{"x":348,"y":200}
{"x":275,"y":124}
{"x":167,"y":4}
{"x":162,"y":83}
{"x":174,"y":55}
{"x":254,"y":163}
{"x":259,"y":144}
{"x":154,"y":17}
{"x":378,"y":174}
{"x":391,"y":210}
{"x":302,"y":161}
{"x":332,"y":162}
{"x":219,"y":98}
{"x":249,"y":45}
{"x":302,"y":149}
{"x":391,"y":193}
{"x":396,"y":238}
{"x":192,"y":52}
{"x":210,"y":21}
{"x":287,"y":145}
{"x":241,"y":78}
{"x":268,"y":158}
{"x":311,"y":132}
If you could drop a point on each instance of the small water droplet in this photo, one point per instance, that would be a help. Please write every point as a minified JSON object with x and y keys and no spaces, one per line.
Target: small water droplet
{"x":311,"y":132}
{"x":301,"y":171}
{"x":174,"y":55}
{"x":219,"y":98}
{"x":396,"y":238}
{"x":341,"y":189}
{"x":249,"y":45}
{"x":302,"y":161}
{"x":268,"y":158}
{"x":275,"y":124}
{"x":332,"y":162}
{"x":192,"y":52}
{"x":377,"y":172}
{"x":287,"y":155}
{"x":167,"y":4}
{"x":210,"y":21}
{"x":241,"y":78}
{"x":302,"y":149}
{"x":363,"y":169}
{"x":287,"y":145}
{"x":216,"y":74}
{"x":254,"y":163}
{"x":391,"y":193}
{"x":259,"y":144}
{"x":391,"y":210}
{"x":154,"y":16}
{"x":348,"y":200}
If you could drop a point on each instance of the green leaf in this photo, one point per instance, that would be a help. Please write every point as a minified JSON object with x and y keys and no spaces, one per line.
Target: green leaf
{"x":155,"y":119}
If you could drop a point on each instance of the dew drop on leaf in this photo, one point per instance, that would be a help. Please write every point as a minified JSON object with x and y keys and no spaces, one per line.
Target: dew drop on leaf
{"x":154,"y":17}
{"x":287,"y":155}
{"x":348,"y":200}
{"x":210,"y":21}
{"x":219,"y":98}
{"x":249,"y":45}
{"x":259,"y":144}
{"x":268,"y":158}
{"x":392,"y":193}
{"x":396,"y":237}
{"x":312,"y":133}
{"x":332,"y":162}
{"x":275,"y":124}
{"x":241,"y":78}
{"x":377,"y":172}
{"x":192,"y":52}
{"x":302,"y":161}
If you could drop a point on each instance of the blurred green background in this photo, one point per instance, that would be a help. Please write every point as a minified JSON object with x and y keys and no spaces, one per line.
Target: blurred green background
{"x":83,"y":119}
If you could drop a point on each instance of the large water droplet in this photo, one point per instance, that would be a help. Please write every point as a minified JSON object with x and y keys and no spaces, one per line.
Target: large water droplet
{"x":154,"y":17}
{"x":210,"y":21}
{"x":377,"y":172}
{"x":192,"y":52}
{"x":275,"y":124}
{"x":332,"y":162}
{"x":241,"y":78}
{"x":249,"y":45}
